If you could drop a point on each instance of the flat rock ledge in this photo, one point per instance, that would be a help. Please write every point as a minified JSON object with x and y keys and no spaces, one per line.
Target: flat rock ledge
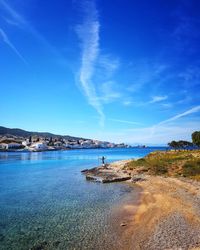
{"x":106,"y":174}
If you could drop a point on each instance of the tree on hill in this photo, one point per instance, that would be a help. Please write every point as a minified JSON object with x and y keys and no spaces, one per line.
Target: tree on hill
{"x":173,"y":144}
{"x":185,"y":144}
{"x":50,"y":143}
{"x":180,"y":144}
{"x":196,"y":138}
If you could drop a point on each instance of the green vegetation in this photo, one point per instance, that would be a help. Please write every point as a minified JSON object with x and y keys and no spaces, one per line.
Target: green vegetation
{"x":196,"y":138}
{"x":180,"y":144}
{"x":169,"y":163}
{"x":186,"y":144}
{"x":23,"y":133}
{"x":192,"y":169}
{"x":30,"y":139}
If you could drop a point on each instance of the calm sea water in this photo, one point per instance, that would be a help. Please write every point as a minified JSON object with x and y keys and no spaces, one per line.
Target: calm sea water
{"x":46,"y":203}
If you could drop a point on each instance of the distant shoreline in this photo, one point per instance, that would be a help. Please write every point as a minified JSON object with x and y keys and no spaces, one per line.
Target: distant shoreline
{"x":50,"y":150}
{"x":69,"y":149}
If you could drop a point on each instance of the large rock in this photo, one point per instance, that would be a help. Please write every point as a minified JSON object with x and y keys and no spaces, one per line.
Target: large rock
{"x":106,"y":174}
{"x":116,"y":179}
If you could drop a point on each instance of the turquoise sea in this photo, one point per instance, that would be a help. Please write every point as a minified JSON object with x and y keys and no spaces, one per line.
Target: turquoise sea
{"x":46,"y":203}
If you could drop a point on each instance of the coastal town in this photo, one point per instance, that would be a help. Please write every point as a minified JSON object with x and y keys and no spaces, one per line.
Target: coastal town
{"x":100,"y":125}
{"x":35,"y":143}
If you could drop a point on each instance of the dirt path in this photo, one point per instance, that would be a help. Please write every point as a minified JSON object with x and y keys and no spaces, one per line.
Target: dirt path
{"x":168,"y":216}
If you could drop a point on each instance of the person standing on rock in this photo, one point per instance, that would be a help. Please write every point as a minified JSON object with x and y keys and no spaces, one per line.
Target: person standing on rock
{"x":103,"y":160}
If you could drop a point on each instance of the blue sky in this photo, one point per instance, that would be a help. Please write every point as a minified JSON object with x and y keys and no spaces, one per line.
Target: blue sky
{"x":122,"y":71}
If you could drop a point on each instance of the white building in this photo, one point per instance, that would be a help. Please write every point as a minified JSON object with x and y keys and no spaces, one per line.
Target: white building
{"x":104,"y":144}
{"x":26,"y":143}
{"x":87,"y":144}
{"x":39,"y":146}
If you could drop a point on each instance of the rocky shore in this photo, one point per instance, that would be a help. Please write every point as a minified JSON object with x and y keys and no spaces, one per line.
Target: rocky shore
{"x":167,"y":216}
{"x":109,"y":173}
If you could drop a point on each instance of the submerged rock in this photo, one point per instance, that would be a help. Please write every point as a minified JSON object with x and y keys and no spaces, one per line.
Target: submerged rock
{"x":93,"y":178}
{"x":2,"y":237}
{"x":56,"y":243}
{"x":84,"y":170}
{"x":40,"y":246}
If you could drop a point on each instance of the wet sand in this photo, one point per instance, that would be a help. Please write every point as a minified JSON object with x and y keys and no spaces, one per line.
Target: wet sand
{"x":122,"y":218}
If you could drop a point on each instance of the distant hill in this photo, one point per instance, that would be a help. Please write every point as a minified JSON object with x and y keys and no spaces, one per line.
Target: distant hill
{"x":23,"y":133}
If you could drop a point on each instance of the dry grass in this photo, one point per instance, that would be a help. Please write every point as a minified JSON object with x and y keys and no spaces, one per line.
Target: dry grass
{"x":169,"y":163}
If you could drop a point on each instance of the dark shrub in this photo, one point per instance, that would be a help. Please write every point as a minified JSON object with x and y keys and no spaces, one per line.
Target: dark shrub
{"x":191,"y":168}
{"x":159,"y":169}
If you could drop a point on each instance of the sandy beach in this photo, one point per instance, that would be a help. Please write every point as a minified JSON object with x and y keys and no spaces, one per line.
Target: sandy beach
{"x":167,"y":215}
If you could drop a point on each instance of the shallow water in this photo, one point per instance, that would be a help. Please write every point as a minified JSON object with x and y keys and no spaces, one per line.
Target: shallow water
{"x":45,"y":202}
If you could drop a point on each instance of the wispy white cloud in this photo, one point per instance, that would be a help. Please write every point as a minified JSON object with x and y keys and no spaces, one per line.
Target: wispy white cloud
{"x":88,"y":33}
{"x":5,"y":38}
{"x":124,"y":121}
{"x":14,"y":18}
{"x":141,"y":74}
{"x":127,"y":103}
{"x":96,"y":69}
{"x":164,"y":131}
{"x":11,"y":22}
{"x":190,"y":77}
{"x":162,"y":135}
{"x":176,"y":117}
{"x":154,"y":99}
{"x":108,"y":92}
{"x":134,"y":87}
{"x":158,"y":99}
{"x":145,"y":72}
{"x":167,"y":105}
{"x":143,"y":135}
{"x":186,"y":31}
{"x":155,"y":127}
{"x":109,"y":63}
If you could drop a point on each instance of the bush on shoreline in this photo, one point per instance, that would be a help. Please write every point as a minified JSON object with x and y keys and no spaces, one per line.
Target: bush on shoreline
{"x":170,"y":163}
{"x":191,"y":168}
